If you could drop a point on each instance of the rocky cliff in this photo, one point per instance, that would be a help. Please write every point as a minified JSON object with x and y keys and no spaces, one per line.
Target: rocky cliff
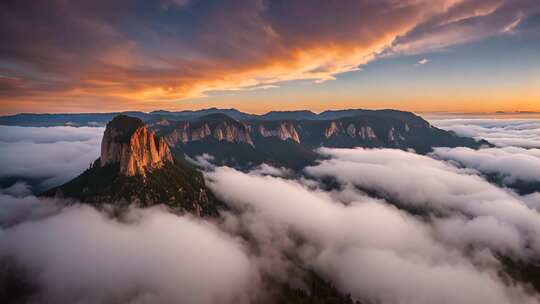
{"x":377,"y":130}
{"x":137,"y":168}
{"x":128,"y":142}
{"x":292,"y":142}
{"x":215,"y":126}
{"x":283,"y":130}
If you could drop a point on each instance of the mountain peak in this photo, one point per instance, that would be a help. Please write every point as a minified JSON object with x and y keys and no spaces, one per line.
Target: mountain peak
{"x":289,"y":115}
{"x":124,"y":127}
{"x":137,"y":167}
{"x":216,"y":117}
{"x":128,"y":142}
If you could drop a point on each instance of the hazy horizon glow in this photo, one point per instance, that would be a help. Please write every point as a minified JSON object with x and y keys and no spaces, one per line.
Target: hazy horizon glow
{"x":257,"y":56}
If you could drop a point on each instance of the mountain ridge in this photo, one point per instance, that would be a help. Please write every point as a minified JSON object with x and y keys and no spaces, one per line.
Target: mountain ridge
{"x":291,"y":143}
{"x":101,"y":119}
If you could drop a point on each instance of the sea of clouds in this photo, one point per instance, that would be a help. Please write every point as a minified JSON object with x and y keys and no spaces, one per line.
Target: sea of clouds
{"x":47,"y":156}
{"x":395,"y":227}
{"x":501,"y":132}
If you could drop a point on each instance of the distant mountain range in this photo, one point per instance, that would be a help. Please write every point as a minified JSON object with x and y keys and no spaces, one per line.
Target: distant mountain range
{"x":101,"y":119}
{"x":292,"y":142}
{"x":281,"y":138}
{"x":144,"y":161}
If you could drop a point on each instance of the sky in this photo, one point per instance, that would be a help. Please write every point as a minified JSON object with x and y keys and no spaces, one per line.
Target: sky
{"x":262,"y":55}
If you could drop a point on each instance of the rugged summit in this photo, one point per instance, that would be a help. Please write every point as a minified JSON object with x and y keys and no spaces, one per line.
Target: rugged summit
{"x":128,"y":142}
{"x":136,"y":167}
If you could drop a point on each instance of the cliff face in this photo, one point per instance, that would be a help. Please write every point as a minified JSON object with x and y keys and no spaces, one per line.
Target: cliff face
{"x":232,"y":133}
{"x":387,"y":129}
{"x":137,"y":168}
{"x":285,"y":130}
{"x":224,"y":129}
{"x":292,"y":142}
{"x":128,"y":142}
{"x":332,"y":130}
{"x":352,"y":130}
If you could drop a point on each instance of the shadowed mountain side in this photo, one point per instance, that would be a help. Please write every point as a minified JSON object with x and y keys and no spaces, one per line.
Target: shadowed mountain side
{"x":291,"y":143}
{"x":176,"y":185}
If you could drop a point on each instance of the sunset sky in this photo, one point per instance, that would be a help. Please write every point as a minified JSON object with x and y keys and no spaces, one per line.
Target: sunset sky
{"x":261,"y":55}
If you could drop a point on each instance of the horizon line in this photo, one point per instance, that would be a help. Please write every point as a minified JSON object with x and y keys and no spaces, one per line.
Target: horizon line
{"x":517,"y":112}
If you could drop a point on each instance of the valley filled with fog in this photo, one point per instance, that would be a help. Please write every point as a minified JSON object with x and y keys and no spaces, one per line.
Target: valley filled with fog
{"x":383,"y":225}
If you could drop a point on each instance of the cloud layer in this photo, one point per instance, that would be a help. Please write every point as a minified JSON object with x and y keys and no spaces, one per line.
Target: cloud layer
{"x":149,"y":256}
{"x":501,"y":132}
{"x":379,"y":252}
{"x":109,"y":55}
{"x":511,"y":163}
{"x":52,"y":155}
{"x":427,"y":184}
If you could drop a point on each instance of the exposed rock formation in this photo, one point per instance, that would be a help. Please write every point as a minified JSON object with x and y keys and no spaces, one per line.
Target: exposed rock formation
{"x":285,"y":130}
{"x":128,"y":142}
{"x":293,"y":142}
{"x":136,"y":168}
{"x":332,"y":130}
{"x":228,"y":131}
{"x":392,"y":135}
{"x":201,"y":132}
{"x":180,"y":134}
{"x":367,"y":133}
{"x":232,"y":133}
{"x":351,"y":130}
